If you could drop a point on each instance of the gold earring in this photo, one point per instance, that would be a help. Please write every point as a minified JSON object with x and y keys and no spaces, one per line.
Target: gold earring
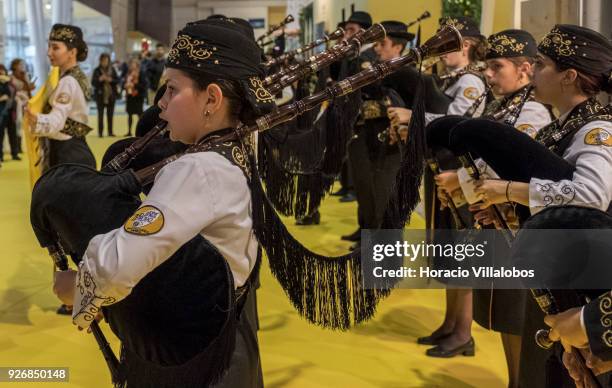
{"x":207,"y":113}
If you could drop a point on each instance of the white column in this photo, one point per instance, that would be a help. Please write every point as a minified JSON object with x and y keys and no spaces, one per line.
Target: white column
{"x":38,"y":37}
{"x":3,"y":29}
{"x":119,"y":22}
{"x":61,"y":11}
{"x":486,"y":18}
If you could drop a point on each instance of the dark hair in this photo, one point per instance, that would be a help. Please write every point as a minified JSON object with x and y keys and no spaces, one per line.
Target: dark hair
{"x":588,"y":84}
{"x":517,"y":61}
{"x":81,"y":48}
{"x":14,"y":63}
{"x":478,"y":48}
{"x":3,"y":68}
{"x":400,"y":41}
{"x":159,"y":45}
{"x":239,"y":108}
{"x":104,"y":55}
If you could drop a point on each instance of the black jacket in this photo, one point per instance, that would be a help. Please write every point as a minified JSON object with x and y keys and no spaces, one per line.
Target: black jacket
{"x":98,"y":87}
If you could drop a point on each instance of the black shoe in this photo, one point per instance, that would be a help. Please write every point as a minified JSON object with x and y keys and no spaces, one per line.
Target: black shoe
{"x":467,"y":349}
{"x":355,"y":236}
{"x":340,"y":193}
{"x":64,"y":310}
{"x":129,"y":134}
{"x":313,"y":219}
{"x":431,"y":340}
{"x":16,"y":157}
{"x":111,"y":135}
{"x":348,"y":197}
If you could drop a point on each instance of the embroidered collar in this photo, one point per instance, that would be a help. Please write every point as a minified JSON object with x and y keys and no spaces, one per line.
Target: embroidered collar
{"x":554,"y":132}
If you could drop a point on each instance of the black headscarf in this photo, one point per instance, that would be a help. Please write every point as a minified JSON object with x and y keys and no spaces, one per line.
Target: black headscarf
{"x":582,"y":49}
{"x":71,"y":35}
{"x":218,"y":49}
{"x":465,"y":25}
{"x":510,"y":44}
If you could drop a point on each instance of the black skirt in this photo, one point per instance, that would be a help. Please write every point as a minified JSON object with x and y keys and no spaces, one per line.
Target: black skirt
{"x":74,"y":150}
{"x":500,"y":310}
{"x":134,"y":105}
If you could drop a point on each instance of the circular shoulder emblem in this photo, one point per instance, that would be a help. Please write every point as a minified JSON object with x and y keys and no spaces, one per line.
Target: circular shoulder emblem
{"x":63,"y":98}
{"x":598,"y":136}
{"x":146,"y":221}
{"x":527,"y":129}
{"x":471,"y":93}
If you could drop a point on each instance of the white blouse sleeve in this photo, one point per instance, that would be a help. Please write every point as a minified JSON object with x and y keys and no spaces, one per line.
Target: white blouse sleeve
{"x":591,"y":184}
{"x":181,"y":203}
{"x":467,"y":89}
{"x":534,"y":116}
{"x":61,"y":101}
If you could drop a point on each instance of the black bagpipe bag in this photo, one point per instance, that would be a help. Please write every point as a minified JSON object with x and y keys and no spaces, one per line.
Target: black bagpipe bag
{"x":177,"y":326}
{"x":568,"y":256}
{"x":512,"y":154}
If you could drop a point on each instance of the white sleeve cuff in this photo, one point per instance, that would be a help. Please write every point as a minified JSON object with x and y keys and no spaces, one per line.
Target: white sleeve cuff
{"x":467,"y":185}
{"x":44,"y":128}
{"x":88,"y":298}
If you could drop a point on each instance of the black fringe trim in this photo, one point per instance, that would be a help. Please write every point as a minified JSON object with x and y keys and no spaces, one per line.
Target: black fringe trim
{"x":327,"y":291}
{"x":299,"y":170}
{"x":405,"y":194}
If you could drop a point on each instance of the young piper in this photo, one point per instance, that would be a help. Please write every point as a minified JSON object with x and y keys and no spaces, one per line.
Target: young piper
{"x":453,"y":336}
{"x":509,"y":57}
{"x":213,"y":86}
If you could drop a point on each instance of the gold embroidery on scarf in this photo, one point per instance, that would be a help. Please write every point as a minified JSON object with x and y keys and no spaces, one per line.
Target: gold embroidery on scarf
{"x":559,"y":42}
{"x":195,"y":49}
{"x":261,"y":93}
{"x":61,"y":34}
{"x":503,"y":43}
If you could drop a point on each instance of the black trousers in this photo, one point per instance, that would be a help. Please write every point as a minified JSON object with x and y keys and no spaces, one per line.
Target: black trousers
{"x":374,"y":167}
{"x":363,"y":182}
{"x":110,"y":109}
{"x":8,"y":125}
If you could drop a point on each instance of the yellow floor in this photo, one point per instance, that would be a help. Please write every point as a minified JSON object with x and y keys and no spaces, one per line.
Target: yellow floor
{"x":379,"y":353}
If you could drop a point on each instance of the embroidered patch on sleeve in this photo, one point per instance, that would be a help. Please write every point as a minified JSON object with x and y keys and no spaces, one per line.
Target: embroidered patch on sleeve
{"x":527,"y":129}
{"x":471,"y":93}
{"x":146,"y":221}
{"x":63,"y":98}
{"x":598,"y":136}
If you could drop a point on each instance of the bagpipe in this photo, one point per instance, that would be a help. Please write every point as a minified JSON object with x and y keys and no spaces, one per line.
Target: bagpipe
{"x":177,"y":326}
{"x":290,"y":55}
{"x":566,"y":258}
{"x":277,"y":81}
{"x":273,"y":28}
{"x":515,"y":156}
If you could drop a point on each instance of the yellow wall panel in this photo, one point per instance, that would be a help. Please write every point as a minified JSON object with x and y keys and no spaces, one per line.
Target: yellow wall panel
{"x":503,"y":18}
{"x":276,"y":14}
{"x":407,"y":11}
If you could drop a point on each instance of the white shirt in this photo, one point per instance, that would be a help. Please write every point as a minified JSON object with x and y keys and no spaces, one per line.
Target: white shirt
{"x":67,"y":101}
{"x":200,"y":193}
{"x":591,"y":185}
{"x":463,"y":93}
{"x":533,"y":117}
